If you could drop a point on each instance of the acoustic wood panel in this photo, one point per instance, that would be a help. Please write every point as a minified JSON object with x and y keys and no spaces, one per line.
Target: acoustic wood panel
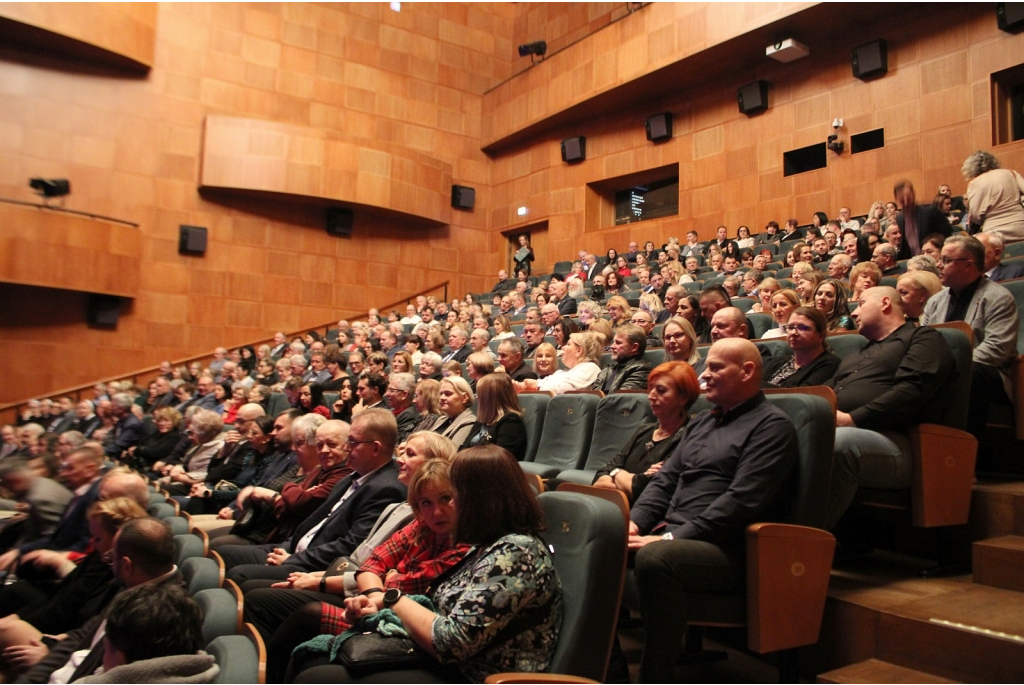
{"x":269,"y":157}
{"x":54,"y":249}
{"x":124,"y":29}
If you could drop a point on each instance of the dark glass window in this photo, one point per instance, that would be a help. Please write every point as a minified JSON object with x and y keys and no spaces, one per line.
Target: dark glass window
{"x":648,"y":201}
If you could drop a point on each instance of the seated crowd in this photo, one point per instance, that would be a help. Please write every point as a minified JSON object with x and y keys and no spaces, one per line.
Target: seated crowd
{"x":376,"y":467}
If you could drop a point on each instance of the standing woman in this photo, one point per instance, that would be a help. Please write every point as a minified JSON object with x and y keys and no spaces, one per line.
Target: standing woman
{"x":524,"y":255}
{"x":499,"y":416}
{"x":830,"y":300}
{"x":993,"y":197}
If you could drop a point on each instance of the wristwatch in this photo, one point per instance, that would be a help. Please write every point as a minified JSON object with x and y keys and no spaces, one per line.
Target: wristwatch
{"x":391,"y":597}
{"x":613,"y":472}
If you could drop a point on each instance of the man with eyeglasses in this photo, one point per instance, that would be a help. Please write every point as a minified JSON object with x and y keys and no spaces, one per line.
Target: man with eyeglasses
{"x":629,"y":369}
{"x":337,"y":527}
{"x":898,"y":380}
{"x":401,"y":387}
{"x":644,"y":320}
{"x":991,"y":312}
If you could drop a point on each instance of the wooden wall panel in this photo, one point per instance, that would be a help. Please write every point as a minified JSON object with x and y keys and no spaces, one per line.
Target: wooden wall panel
{"x":132,"y":149}
{"x":933,"y":105}
{"x":127,"y":29}
{"x":58,"y":250}
{"x":264,"y":156}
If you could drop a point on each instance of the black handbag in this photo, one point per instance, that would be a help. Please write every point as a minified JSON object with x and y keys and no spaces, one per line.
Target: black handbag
{"x":370,"y":652}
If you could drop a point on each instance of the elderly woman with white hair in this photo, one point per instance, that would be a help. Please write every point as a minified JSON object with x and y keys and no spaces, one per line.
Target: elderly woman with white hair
{"x":993,"y":196}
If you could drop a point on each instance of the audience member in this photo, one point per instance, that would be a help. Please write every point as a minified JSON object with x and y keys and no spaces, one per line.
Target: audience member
{"x":810,"y":361}
{"x":629,"y":369}
{"x":688,"y":532}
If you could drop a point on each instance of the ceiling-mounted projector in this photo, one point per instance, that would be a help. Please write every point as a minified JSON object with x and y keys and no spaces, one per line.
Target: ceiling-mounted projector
{"x":787,"y":50}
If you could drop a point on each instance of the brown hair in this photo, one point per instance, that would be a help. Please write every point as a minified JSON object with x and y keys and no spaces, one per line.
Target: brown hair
{"x":493,"y":495}
{"x":495,"y":397}
{"x":434,"y":472}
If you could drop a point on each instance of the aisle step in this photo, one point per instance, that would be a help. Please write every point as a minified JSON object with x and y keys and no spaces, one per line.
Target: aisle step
{"x":876,"y":671}
{"x":999,"y":562}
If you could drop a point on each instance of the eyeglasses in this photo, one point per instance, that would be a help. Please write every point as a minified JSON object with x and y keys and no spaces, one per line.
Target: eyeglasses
{"x":796,"y":328}
{"x":946,"y":261}
{"x":350,"y":443}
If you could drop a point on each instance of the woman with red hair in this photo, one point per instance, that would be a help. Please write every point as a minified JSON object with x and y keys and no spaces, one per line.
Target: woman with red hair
{"x":672,"y":390}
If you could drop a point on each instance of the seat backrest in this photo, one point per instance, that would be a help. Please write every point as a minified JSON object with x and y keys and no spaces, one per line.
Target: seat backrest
{"x":563,"y":267}
{"x":587,"y":537}
{"x":200,"y":574}
{"x":814,"y":420}
{"x":761,"y":323}
{"x":958,"y":391}
{"x":187,"y":546}
{"x":277,"y":403}
{"x":178,"y":524}
{"x":1015,"y":249}
{"x":743,"y":303}
{"x":568,"y":426}
{"x":220,"y":613}
{"x":330,"y":398}
{"x":161,"y":510}
{"x":618,"y":416}
{"x":654,"y":356}
{"x":1016,"y":288}
{"x":237,"y":657}
{"x":534,"y":406}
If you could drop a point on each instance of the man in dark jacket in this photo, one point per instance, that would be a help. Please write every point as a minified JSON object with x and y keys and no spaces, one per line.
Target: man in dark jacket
{"x":629,"y":370}
{"x":896,"y":381}
{"x":916,"y":222}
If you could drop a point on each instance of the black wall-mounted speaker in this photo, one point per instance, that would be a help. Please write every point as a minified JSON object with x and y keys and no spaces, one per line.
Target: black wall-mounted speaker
{"x":1010,"y":16}
{"x":753,"y":97}
{"x":191,"y":240}
{"x":870,"y":60}
{"x":103,"y":310}
{"x":574,"y":149}
{"x":659,"y":127}
{"x":463,"y":197}
{"x":339,"y":222}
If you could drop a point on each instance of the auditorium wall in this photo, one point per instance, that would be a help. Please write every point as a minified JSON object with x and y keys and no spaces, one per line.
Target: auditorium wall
{"x":131,"y":146}
{"x":933,"y":104}
{"x":418,"y":79}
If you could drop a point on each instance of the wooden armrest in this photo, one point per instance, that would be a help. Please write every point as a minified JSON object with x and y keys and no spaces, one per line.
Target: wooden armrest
{"x":236,"y":592}
{"x":599,"y":393}
{"x":212,"y":554}
{"x":940,"y":491}
{"x":204,"y":536}
{"x":250,"y":631}
{"x":787,"y":582}
{"x":1018,"y":397}
{"x":499,"y":678}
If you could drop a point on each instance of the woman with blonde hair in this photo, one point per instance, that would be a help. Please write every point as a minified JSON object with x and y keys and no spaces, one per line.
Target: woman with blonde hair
{"x":427,"y":403}
{"x":499,"y":416}
{"x":581,"y":357}
{"x":807,"y":283}
{"x":915,"y":289}
{"x":502,"y":328}
{"x":784,"y":303}
{"x":863,"y":276}
{"x":651,"y":303}
{"x":680,"y":341}
{"x":401,"y":362}
{"x":603,"y":328}
{"x":457,"y":417}
{"x":769,"y":286}
{"x":545,"y":360}
{"x":588,"y":312}
{"x":619,"y":311}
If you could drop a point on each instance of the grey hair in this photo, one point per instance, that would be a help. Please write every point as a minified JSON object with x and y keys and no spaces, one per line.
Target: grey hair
{"x":122,"y":400}
{"x":403,"y":381}
{"x":306,"y":426}
{"x":207,"y":425}
{"x":923,"y":262}
{"x":977,"y":163}
{"x":971,"y":245}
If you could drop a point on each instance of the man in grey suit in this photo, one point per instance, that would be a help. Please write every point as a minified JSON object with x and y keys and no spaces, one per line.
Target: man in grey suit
{"x":204,"y":396}
{"x":994,"y":267}
{"x":991,"y":312}
{"x":42,"y":499}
